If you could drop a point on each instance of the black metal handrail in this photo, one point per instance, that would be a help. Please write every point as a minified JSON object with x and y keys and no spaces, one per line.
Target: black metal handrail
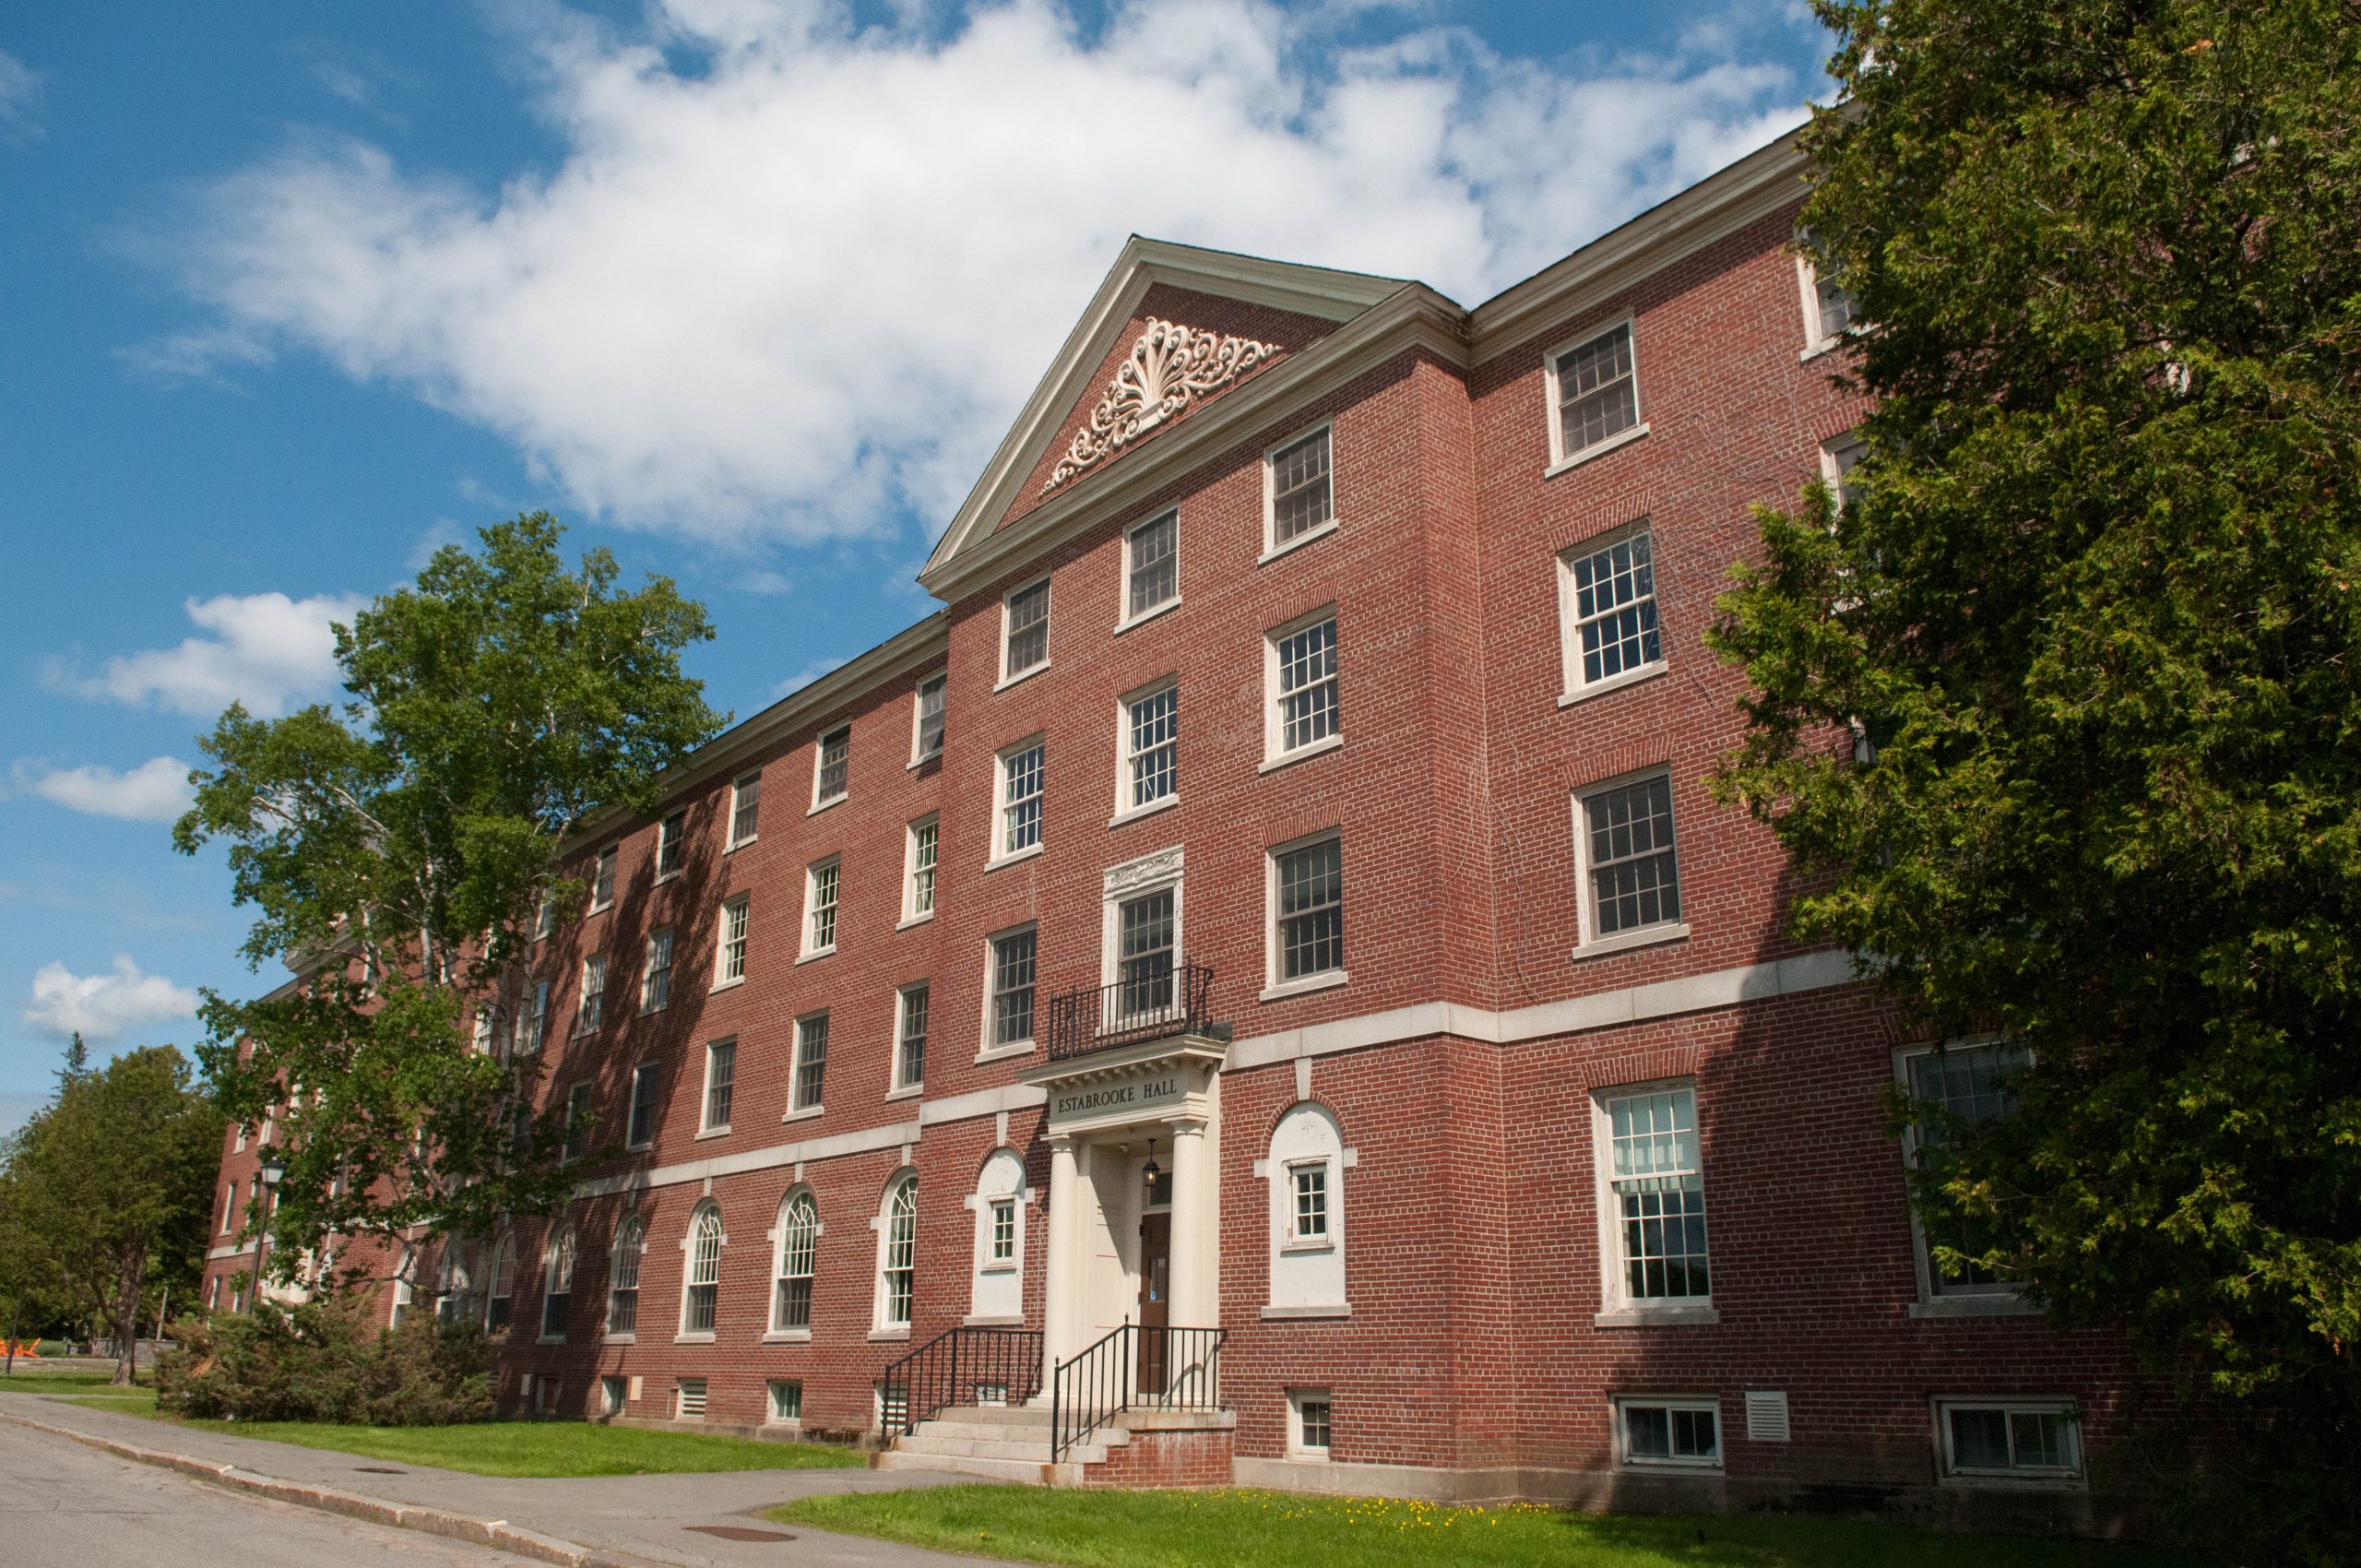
{"x":954,"y":1368}
{"x":1134,"y":1367}
{"x":1149,"y":1004}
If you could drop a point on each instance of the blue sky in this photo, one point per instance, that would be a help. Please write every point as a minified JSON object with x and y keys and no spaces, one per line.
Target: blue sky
{"x":743,"y":289}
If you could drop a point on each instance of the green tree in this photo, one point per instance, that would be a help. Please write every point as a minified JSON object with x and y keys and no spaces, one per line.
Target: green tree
{"x":109,"y":1189}
{"x":397,"y":853}
{"x":2059,"y":712}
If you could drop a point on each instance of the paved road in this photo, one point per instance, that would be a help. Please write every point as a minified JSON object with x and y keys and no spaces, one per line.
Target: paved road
{"x":63,"y":1505}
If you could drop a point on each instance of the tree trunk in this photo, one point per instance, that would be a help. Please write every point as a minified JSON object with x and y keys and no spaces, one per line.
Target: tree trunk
{"x":16,"y":1317}
{"x":126,"y":1315}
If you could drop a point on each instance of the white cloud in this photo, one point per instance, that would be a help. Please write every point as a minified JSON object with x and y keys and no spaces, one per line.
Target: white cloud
{"x":793,"y":275}
{"x":19,"y":91}
{"x":157,"y":791}
{"x":102,"y":1007}
{"x":268,"y":650}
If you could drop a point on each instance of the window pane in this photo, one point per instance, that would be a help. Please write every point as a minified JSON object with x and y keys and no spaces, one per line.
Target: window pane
{"x":1312,"y":909}
{"x":823,"y":906}
{"x":747,"y":812}
{"x":1155,"y":741}
{"x":931,"y":717}
{"x":721,"y":1066}
{"x":1659,"y":1195}
{"x":922,"y":852}
{"x":643,"y":1105}
{"x":1647,"y":1431}
{"x":1028,"y":628}
{"x":1021,"y":817}
{"x":1300,"y":489}
{"x":1980,"y":1439}
{"x":835,"y":753}
{"x":2038,"y":1439}
{"x":1155,"y":565}
{"x":913,"y":1043}
{"x":1693,"y":1435}
{"x":1144,"y":955}
{"x":1308,"y":685}
{"x":1596,"y":396}
{"x":810,"y":1060}
{"x":1634,"y":880}
{"x":671,"y":843}
{"x":1615,"y":609}
{"x":1013,"y":989}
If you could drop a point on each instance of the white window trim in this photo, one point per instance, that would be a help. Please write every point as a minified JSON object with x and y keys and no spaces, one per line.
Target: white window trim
{"x":577,"y":1101}
{"x":1560,"y":460}
{"x":1124,"y":619}
{"x":648,"y":968}
{"x":609,"y":858}
{"x":773,"y":1334}
{"x":1007,"y":677}
{"x":1968,"y":1301}
{"x":730,"y":831}
{"x":899,"y":1084}
{"x":633,"y":1089}
{"x":1623,"y":1457}
{"x":819,"y":753}
{"x":1588,"y":943}
{"x":911,"y":914}
{"x":810,"y":905}
{"x":1817,"y":339}
{"x":1124,"y":810}
{"x":708,"y":1129}
{"x":880,"y":1327}
{"x":1833,"y":466}
{"x":1573,"y":688}
{"x":722,"y":978}
{"x":1137,"y":878}
{"x":661,"y":839}
{"x":918,"y":715}
{"x":1273,"y":726}
{"x":2076,"y":1478}
{"x":584,"y":1023}
{"x":1297,"y":1448}
{"x":1616,"y":1309}
{"x":990,"y":1052}
{"x":772,"y":1415}
{"x":998,"y":857}
{"x":1271,"y":549}
{"x":1293,"y":1242}
{"x":686,"y":1335}
{"x":796,"y":1113}
{"x":1274,"y":988}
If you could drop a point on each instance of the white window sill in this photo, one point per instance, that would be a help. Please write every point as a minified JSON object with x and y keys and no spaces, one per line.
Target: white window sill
{"x":830,"y":803}
{"x":1316,"y":748}
{"x":1145,"y":616}
{"x":1027,"y":853}
{"x":2014,"y":1481}
{"x":1304,"y":985}
{"x":1625,"y":941}
{"x":737,"y":844}
{"x":712,"y":1133}
{"x":645,"y":1013}
{"x":1826,"y":345}
{"x":829,"y":951}
{"x":619,"y":1339}
{"x":907,"y":1091}
{"x":664,"y":876}
{"x":551,"y":1340}
{"x":915,"y":921}
{"x":804,"y":1114}
{"x":1596,"y":449}
{"x":1000,"y":1268}
{"x":1315,"y":1245}
{"x":1307,"y":1314}
{"x":1298,"y":543}
{"x":1671,"y":1467}
{"x":1614,"y":684}
{"x":1135,"y":813}
{"x":918,"y":762}
{"x":788,"y":1336}
{"x":1996,"y":1305}
{"x":692,"y":1339}
{"x":1021,"y":676}
{"x":1003,"y":1053}
{"x":600,"y":909}
{"x":726,"y":985}
{"x":1653,"y":1315}
{"x":990,"y":1322}
{"x":884,"y":1335}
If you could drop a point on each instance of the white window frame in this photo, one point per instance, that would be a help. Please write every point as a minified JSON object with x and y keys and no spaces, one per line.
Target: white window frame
{"x":1275,"y":753}
{"x":1588,"y":941}
{"x":1622,"y":1404}
{"x":797,"y":1106}
{"x":746,"y":785}
{"x":911,"y":834}
{"x":1575,"y":686}
{"x":1296,"y":1240}
{"x":830,"y":870}
{"x":1298,"y":1446}
{"x":998,"y":1259}
{"x":885,"y":1325}
{"x":1560,"y":458}
{"x":2042,"y":1478}
{"x":902,"y":1083}
{"x":1143,"y":878}
{"x":1126,"y":757}
{"x":1272,"y":546}
{"x":737,"y":911}
{"x":798,"y":1194}
{"x":920,"y":756}
{"x":1618,"y":1307}
{"x":689,"y":1271}
{"x":1935,"y":1297}
{"x":1818,"y":339}
{"x":1010,"y":677}
{"x":821,"y":803}
{"x":602,"y":881}
{"x":1002,"y":803}
{"x":1126,"y":617}
{"x":991,"y":1049}
{"x":614,"y":1395}
{"x":590,"y":1003}
{"x":533,"y":1029}
{"x":577,"y":1101}
{"x":651,"y":1069}
{"x":782,"y":1407}
{"x":630,"y":1239}
{"x":649,"y":968}
{"x":672,"y":843}
{"x":707,"y":1127}
{"x":1274,"y":987}
{"x":561,"y":1254}
{"x":1838,"y":455}
{"x":544,"y":917}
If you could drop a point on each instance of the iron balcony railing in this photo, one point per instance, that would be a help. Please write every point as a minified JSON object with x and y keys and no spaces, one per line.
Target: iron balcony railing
{"x":1151,"y":1002}
{"x":960,"y":1366}
{"x":1135,"y":1367}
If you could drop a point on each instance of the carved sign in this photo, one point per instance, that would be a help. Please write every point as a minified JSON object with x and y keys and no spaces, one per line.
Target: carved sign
{"x":1169,"y":367}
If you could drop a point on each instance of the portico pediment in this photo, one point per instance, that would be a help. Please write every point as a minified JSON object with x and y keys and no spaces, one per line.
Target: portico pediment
{"x":1159,"y":1081}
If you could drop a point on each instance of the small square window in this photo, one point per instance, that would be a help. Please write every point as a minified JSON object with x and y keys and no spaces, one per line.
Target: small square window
{"x":671,"y":845}
{"x":746,"y":809}
{"x":832,"y":768}
{"x":1298,"y":480}
{"x":1311,"y":1423}
{"x":785,"y":1400}
{"x":2034,"y":1440}
{"x":810,"y":1060}
{"x":926,"y":720}
{"x":1670,"y":1433}
{"x":1596,"y":391}
{"x":1152,"y":566}
{"x":1026,"y":616}
{"x":1022,"y":786}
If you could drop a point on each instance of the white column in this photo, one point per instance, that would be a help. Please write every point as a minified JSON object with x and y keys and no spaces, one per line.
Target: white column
{"x":1195,"y":1206}
{"x":1061,"y":1282}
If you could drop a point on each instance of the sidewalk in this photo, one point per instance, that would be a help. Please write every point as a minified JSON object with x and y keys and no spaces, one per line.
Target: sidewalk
{"x":580,"y":1523}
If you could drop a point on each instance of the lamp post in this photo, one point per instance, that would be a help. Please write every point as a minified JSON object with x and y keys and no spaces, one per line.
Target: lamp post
{"x":273,"y":1168}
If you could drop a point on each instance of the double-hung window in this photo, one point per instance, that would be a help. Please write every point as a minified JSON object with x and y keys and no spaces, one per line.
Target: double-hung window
{"x":579,"y":1122}
{"x":810,"y":1062}
{"x":1298,"y":480}
{"x":1655,"y":1198}
{"x":1608,"y":595}
{"x":1010,"y":992}
{"x":1595,"y":391}
{"x":602,"y":881}
{"x":920,"y":847}
{"x":1964,"y":1085}
{"x":926,"y":720}
{"x":557,"y":1284}
{"x":799,"y":1257}
{"x":1024,"y":641}
{"x":721,"y":1075}
{"x":898,"y":1256}
{"x":700,"y":1295}
{"x":622,"y":1278}
{"x":656,"y":976}
{"x":592,"y":1004}
{"x":1146,"y":934}
{"x":1151,"y":747}
{"x":729,"y":953}
{"x":1151,"y":566}
{"x":910,"y":1049}
{"x":1631,"y":874}
{"x":1307,"y":910}
{"x":640,"y":1130}
{"x":746,"y":809}
{"x":537,"y":1020}
{"x":819,"y":884}
{"x":832,"y":768}
{"x":671,"y":845}
{"x":1301,"y":661}
{"x":1827,"y":309}
{"x":1020,"y":785}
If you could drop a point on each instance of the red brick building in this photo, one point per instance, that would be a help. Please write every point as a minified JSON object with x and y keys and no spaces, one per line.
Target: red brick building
{"x":1276,"y":903}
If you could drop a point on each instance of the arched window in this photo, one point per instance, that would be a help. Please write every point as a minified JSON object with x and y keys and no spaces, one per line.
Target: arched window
{"x":623,"y":1276}
{"x":898,"y":1247}
{"x":1306,"y":1170}
{"x":798,"y":1254}
{"x":998,"y":1287}
{"x":701,"y":1295}
{"x":504,"y":1283}
{"x":454,"y":1286}
{"x":557,"y":1284}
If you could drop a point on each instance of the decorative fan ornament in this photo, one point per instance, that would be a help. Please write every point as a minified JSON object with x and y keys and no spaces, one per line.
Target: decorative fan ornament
{"x":1169,"y":368}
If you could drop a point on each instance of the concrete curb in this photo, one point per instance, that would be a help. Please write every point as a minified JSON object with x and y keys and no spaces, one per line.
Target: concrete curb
{"x":496,"y":1533}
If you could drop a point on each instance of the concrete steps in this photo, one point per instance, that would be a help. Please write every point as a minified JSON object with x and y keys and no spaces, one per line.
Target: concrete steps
{"x":1002,"y":1443}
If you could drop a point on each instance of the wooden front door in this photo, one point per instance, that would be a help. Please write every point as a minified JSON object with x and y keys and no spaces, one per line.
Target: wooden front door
{"x":1155,"y":1296}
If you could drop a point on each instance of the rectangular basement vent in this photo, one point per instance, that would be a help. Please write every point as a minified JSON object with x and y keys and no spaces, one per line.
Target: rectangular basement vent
{"x":692,"y":1406}
{"x":1767,"y":1415}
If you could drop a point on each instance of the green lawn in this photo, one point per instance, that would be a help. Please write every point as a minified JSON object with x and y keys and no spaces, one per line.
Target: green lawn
{"x":1239,"y":1530}
{"x":34,"y":1377}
